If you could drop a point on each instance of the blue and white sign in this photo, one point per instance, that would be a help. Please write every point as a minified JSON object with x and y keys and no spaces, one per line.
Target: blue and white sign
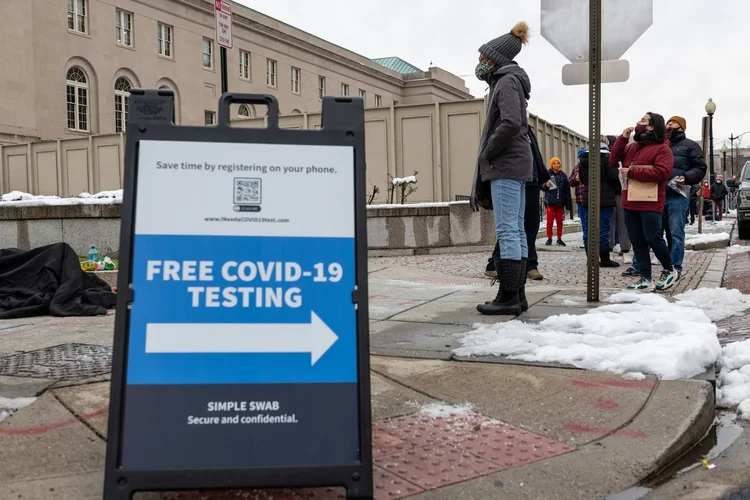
{"x":242,"y":331}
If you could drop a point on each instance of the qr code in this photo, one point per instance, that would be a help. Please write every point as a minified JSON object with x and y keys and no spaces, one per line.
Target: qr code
{"x":247,"y":191}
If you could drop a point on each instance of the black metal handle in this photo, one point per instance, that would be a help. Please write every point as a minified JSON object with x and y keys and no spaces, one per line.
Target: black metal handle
{"x":265,"y":99}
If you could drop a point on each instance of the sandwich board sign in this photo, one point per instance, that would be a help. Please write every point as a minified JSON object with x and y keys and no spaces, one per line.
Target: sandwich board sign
{"x":241,"y":356}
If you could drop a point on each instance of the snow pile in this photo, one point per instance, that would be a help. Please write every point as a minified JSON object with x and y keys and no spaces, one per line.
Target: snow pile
{"x":443,"y":410}
{"x":636,"y":334}
{"x":9,"y":405}
{"x":735,"y":249}
{"x":397,"y":181}
{"x":21,"y":199}
{"x":734,"y":378}
{"x":696,"y":239}
{"x":717,"y":303}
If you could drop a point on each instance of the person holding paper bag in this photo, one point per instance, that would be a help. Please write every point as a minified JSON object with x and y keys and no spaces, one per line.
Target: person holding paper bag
{"x":689,"y":169}
{"x":647,"y":164}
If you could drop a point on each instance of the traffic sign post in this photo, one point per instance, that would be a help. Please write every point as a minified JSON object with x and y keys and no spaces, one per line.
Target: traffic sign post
{"x":223,"y":13}
{"x":241,"y":353}
{"x":595,"y":59}
{"x":595,"y":100}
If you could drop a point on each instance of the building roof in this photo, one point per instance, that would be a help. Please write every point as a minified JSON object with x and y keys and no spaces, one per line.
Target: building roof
{"x":397,"y":64}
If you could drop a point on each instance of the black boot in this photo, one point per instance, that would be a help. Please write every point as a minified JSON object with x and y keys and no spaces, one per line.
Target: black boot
{"x":606,"y":260}
{"x":506,"y":302}
{"x":522,"y":285}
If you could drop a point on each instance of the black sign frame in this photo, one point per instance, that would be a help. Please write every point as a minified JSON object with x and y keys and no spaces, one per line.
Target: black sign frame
{"x":152,"y":118}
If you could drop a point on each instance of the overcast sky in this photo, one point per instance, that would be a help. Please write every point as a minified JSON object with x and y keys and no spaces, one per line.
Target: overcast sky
{"x":689,"y":53}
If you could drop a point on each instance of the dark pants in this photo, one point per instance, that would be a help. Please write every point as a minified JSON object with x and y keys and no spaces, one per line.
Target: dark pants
{"x":645,"y":231}
{"x":693,"y":209}
{"x":531,"y":223}
{"x":605,"y":226}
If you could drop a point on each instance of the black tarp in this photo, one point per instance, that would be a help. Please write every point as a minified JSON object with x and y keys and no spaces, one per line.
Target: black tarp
{"x":49,"y":280}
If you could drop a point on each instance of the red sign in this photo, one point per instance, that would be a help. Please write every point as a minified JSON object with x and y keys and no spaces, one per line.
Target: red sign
{"x":223,"y":12}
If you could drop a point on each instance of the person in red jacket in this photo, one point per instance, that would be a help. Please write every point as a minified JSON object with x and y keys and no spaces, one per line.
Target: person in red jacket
{"x":648,"y":159}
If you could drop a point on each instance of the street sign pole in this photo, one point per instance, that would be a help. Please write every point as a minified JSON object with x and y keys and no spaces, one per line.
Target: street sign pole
{"x":223,"y":13}
{"x":224,"y":82}
{"x":595,"y":99}
{"x":241,"y":349}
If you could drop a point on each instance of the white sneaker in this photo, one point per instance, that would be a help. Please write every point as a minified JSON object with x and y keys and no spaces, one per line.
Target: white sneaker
{"x":667,"y":279}
{"x":627,"y":258}
{"x":642,"y":285}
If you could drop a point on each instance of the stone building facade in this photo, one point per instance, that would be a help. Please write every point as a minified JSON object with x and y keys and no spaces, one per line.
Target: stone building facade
{"x":69,"y":65}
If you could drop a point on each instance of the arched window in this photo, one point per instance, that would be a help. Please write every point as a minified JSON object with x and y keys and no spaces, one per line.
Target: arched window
{"x":122,"y":103}
{"x":77,"y":99}
{"x":244,"y":111}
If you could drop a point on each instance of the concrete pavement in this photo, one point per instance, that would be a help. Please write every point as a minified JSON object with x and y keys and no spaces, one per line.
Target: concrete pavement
{"x":588,"y":434}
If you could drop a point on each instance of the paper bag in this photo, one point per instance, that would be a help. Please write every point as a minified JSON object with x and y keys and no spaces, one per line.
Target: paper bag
{"x":641,"y":190}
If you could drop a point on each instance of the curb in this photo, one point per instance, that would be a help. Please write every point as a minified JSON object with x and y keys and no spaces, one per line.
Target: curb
{"x":694,"y":429}
{"x":714,"y":275}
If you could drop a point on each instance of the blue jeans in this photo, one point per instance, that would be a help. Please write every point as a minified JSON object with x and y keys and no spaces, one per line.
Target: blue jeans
{"x":508,"y":201}
{"x":605,"y":226}
{"x":676,"y":208}
{"x":584,"y":216}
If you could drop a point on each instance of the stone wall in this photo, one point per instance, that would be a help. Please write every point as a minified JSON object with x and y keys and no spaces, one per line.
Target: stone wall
{"x":78,"y":225}
{"x":391,"y":229}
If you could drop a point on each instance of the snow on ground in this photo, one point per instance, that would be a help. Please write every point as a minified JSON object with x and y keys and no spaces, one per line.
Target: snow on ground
{"x":717,"y":303}
{"x":635,"y":334}
{"x":9,"y":405}
{"x":443,"y":410}
{"x":735,"y":249}
{"x":21,"y":199}
{"x":734,"y":378}
{"x":710,"y":226}
{"x":695,"y":239}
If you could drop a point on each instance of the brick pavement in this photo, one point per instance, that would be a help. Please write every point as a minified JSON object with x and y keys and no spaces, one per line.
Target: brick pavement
{"x":560,"y":269}
{"x":737,"y":276}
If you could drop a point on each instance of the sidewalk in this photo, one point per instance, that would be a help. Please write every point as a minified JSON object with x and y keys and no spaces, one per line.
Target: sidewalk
{"x":519,"y":430}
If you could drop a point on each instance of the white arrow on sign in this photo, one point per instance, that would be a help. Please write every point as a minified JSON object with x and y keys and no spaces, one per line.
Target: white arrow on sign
{"x":314,"y":337}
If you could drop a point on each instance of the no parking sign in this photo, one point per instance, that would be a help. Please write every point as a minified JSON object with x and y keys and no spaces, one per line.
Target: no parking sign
{"x":241,"y":353}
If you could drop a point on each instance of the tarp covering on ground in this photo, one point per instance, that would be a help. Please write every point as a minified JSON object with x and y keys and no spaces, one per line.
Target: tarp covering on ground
{"x":49,"y":281}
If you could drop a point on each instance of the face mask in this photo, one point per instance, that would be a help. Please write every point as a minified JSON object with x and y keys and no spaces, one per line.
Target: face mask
{"x":483,"y":71}
{"x":639,"y":130}
{"x":555,"y":167}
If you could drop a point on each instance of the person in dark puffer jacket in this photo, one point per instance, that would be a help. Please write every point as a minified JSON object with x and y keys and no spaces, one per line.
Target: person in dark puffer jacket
{"x":609,"y":185}
{"x":689,"y":169}
{"x":557,"y":200}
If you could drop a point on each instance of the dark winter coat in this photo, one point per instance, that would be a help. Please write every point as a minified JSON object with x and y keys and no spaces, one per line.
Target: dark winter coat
{"x":480,"y":192}
{"x":656,"y":154}
{"x":609,"y":181}
{"x":540,"y":173}
{"x":559,"y":197}
{"x":504,"y":147}
{"x":688,"y":161}
{"x":718,"y":191}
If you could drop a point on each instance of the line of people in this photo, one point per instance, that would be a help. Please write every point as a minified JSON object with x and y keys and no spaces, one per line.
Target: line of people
{"x":645,"y":182}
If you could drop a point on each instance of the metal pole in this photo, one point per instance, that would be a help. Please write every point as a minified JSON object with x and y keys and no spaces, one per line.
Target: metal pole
{"x":731,"y":147}
{"x":712,"y":175}
{"x":724,"y":174}
{"x":224,"y":82}
{"x":595,"y":73}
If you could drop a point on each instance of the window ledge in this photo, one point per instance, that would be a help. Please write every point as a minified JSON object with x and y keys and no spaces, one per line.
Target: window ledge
{"x":83,"y":133}
{"x":210,"y":70}
{"x":166,"y":58}
{"x":123,"y":46}
{"x":78,"y":33}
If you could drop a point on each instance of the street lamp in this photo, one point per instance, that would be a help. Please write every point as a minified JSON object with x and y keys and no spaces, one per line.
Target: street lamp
{"x":710,"y":110}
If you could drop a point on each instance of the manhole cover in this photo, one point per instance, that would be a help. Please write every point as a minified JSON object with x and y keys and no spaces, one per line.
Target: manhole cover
{"x":61,"y":362}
